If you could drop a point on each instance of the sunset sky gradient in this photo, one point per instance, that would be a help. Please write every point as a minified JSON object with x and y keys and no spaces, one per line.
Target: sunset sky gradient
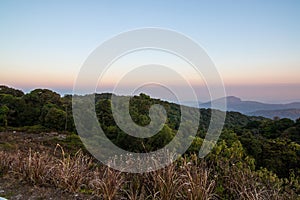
{"x":255,"y":45}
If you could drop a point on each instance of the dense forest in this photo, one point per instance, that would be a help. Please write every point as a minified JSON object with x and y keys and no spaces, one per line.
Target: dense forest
{"x":268,"y":148}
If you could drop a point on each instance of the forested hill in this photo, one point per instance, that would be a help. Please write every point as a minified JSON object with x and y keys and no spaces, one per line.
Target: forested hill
{"x":273,"y":144}
{"x":46,"y":108}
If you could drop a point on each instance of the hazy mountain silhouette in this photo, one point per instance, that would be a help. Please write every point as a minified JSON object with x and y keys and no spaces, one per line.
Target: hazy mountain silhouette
{"x":287,"y":113}
{"x":290,"y":110}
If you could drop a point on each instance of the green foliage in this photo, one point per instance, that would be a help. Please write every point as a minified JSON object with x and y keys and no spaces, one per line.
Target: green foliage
{"x":11,"y":91}
{"x":4,"y":110}
{"x":273,"y":128}
{"x":72,"y":143}
{"x":250,"y":143}
{"x":15,"y":106}
{"x":31,"y":129}
{"x":274,"y":144}
{"x":34,"y":103}
{"x":233,"y":154}
{"x":280,"y":156}
{"x":162,"y":138}
{"x":195,"y":146}
{"x":55,"y":119}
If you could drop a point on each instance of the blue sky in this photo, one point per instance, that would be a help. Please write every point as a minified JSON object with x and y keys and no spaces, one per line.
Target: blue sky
{"x":254,"y":44}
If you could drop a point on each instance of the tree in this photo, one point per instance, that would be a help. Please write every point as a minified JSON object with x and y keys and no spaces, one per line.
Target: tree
{"x":55,"y":119}
{"x":195,"y":146}
{"x":280,"y":156}
{"x":7,"y":90}
{"x":16,"y":107}
{"x":4,"y":110}
{"x":34,"y":103}
{"x":162,"y":138}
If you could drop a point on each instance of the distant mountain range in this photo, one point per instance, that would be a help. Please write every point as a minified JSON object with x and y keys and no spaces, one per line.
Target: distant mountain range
{"x":286,"y":113}
{"x":290,"y":110}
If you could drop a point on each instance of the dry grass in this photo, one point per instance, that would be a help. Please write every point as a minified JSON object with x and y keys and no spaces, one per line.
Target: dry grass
{"x":72,"y":173}
{"x":5,"y":162}
{"x":198,"y":182}
{"x":107,"y":183}
{"x":135,"y":187}
{"x":165,"y":183}
{"x":187,"y":179}
{"x":246,"y":185}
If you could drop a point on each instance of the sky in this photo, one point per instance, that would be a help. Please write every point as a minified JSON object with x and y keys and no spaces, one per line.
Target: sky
{"x":255,"y":45}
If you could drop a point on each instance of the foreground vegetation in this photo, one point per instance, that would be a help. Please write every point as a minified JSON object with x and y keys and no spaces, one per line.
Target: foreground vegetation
{"x":255,"y":158}
{"x":187,"y":178}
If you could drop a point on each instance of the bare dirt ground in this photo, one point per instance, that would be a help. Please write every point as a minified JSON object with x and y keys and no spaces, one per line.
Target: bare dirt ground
{"x":16,"y":190}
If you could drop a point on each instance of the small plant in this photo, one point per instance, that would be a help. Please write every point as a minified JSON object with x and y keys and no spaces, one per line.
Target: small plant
{"x":107,"y":183}
{"x":72,"y":173}
{"x":198,"y":183}
{"x":5,"y":162}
